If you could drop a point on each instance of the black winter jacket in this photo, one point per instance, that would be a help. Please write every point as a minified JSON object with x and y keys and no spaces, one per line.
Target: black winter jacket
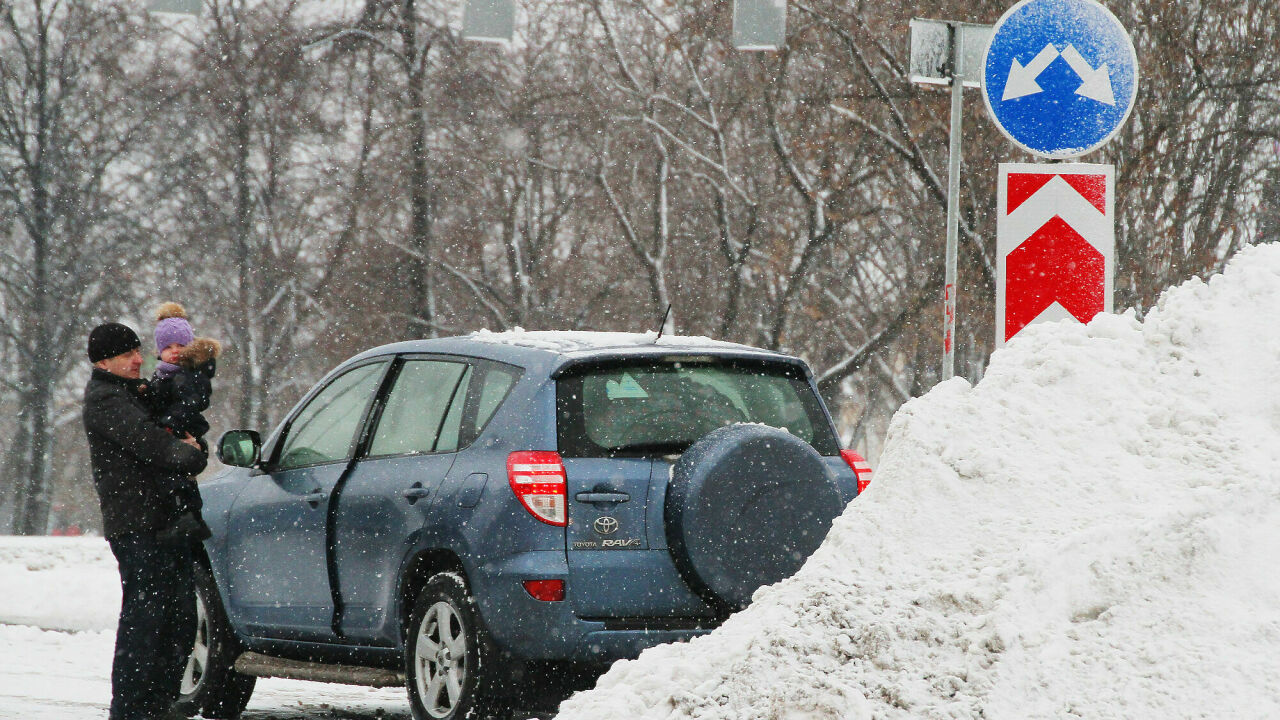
{"x":133,"y":458}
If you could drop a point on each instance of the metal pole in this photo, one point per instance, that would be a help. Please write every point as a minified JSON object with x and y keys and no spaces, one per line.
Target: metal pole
{"x":953,"y":208}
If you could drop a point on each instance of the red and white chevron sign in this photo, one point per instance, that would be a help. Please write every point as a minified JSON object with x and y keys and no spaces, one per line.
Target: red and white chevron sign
{"x":1055,"y":242}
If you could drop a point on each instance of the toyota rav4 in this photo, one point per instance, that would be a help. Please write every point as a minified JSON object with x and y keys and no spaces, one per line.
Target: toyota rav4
{"x":471,"y":516}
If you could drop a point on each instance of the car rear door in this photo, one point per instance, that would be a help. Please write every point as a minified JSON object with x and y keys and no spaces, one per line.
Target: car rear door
{"x":278,"y":576}
{"x":623,"y":423}
{"x":430,"y":413}
{"x":616,"y":570}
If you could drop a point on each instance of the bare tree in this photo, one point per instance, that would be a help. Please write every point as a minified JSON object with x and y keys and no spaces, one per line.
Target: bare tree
{"x":1193,"y":160}
{"x":264,"y":191}
{"x":69,"y":122}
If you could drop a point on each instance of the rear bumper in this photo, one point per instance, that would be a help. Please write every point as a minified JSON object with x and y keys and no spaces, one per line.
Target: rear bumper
{"x":608,"y":645}
{"x":532,"y":629}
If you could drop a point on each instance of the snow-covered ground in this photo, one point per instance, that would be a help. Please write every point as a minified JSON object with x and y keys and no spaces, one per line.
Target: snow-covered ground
{"x":1091,"y":532}
{"x":59,"y":598}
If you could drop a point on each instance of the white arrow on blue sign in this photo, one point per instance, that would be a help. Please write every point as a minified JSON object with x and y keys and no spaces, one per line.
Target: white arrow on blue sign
{"x":1060,"y":76}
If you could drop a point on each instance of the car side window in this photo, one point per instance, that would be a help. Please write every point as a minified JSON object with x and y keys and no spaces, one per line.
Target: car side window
{"x":414,"y":419}
{"x":494,"y":386}
{"x":324,"y":430}
{"x":451,"y":428}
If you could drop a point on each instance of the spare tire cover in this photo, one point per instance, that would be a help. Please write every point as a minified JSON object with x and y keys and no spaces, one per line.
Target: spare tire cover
{"x":746,"y":506}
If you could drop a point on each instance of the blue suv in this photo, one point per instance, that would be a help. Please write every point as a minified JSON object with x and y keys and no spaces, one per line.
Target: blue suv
{"x":476,"y":518}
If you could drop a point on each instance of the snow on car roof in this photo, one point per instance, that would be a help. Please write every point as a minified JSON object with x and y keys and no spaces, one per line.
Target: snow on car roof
{"x":566,"y":342}
{"x":558,"y":347}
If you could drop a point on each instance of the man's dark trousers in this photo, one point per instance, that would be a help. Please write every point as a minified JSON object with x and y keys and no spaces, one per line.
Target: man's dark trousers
{"x":157,"y":624}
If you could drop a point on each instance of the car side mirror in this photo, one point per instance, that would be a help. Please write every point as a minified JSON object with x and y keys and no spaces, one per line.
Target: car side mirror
{"x":240,"y":448}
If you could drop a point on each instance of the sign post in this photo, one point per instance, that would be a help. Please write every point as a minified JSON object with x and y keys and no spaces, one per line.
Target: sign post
{"x":1059,"y":78}
{"x":947,"y":53}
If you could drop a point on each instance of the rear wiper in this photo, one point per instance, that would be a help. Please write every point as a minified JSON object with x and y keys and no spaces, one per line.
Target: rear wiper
{"x":664,"y":448}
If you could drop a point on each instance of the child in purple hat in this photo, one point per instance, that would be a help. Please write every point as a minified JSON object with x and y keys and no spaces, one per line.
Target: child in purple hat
{"x":179,"y":392}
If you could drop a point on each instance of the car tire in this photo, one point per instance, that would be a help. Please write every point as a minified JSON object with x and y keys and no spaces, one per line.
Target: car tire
{"x":211,"y":687}
{"x":746,"y":507}
{"x":452,"y":669}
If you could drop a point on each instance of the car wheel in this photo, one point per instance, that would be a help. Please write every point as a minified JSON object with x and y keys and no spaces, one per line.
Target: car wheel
{"x":210,"y":685}
{"x":746,"y":506}
{"x":451,"y":667}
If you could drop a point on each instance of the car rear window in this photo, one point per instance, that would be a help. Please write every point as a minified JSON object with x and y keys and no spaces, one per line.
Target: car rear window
{"x":650,"y":407}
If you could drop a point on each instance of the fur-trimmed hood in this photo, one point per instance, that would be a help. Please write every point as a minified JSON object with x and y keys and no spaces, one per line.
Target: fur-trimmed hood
{"x":198,"y":352}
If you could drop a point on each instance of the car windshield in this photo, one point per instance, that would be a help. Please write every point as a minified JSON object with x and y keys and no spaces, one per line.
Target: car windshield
{"x":664,"y":407}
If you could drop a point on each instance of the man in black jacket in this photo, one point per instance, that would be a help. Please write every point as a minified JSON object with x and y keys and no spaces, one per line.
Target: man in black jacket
{"x":133,"y":460}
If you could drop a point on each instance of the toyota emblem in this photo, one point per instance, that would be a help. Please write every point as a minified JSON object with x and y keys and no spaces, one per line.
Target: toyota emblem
{"x":606,"y":525}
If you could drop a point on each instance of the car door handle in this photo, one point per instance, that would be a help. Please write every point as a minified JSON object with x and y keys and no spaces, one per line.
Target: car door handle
{"x":602,"y":497}
{"x":315,"y":498}
{"x":415,"y":493}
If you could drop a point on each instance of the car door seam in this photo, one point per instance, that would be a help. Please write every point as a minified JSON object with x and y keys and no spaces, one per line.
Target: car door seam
{"x":372,"y":413}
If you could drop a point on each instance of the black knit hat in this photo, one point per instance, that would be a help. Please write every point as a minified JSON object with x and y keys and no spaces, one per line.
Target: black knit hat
{"x":111,"y":339}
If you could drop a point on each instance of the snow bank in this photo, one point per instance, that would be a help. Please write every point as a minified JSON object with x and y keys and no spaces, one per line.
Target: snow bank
{"x":1091,"y":531}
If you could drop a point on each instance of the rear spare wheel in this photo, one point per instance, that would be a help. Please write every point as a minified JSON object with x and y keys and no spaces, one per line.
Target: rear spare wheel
{"x":746,"y":506}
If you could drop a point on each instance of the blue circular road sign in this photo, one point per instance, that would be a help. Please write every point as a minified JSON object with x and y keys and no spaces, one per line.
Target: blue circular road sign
{"x":1060,"y":76}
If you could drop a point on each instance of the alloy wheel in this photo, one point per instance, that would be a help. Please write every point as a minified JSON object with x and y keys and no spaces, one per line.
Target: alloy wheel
{"x":440,"y":654}
{"x":198,"y":660}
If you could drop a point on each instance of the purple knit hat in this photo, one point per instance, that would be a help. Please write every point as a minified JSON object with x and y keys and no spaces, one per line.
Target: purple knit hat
{"x":173,"y":327}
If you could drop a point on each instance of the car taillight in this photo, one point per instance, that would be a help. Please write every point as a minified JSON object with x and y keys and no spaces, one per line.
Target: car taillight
{"x":545,"y":590}
{"x":860,"y":468}
{"x":538,"y":480}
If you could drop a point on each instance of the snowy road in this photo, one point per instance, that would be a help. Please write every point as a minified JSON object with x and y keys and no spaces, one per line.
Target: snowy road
{"x":58,"y":607}
{"x":66,"y":676}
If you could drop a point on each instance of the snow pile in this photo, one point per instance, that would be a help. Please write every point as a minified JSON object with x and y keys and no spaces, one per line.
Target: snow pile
{"x":59,"y":583}
{"x":1091,"y":531}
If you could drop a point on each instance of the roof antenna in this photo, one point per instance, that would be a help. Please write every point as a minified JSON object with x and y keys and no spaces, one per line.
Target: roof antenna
{"x":662,"y":325}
